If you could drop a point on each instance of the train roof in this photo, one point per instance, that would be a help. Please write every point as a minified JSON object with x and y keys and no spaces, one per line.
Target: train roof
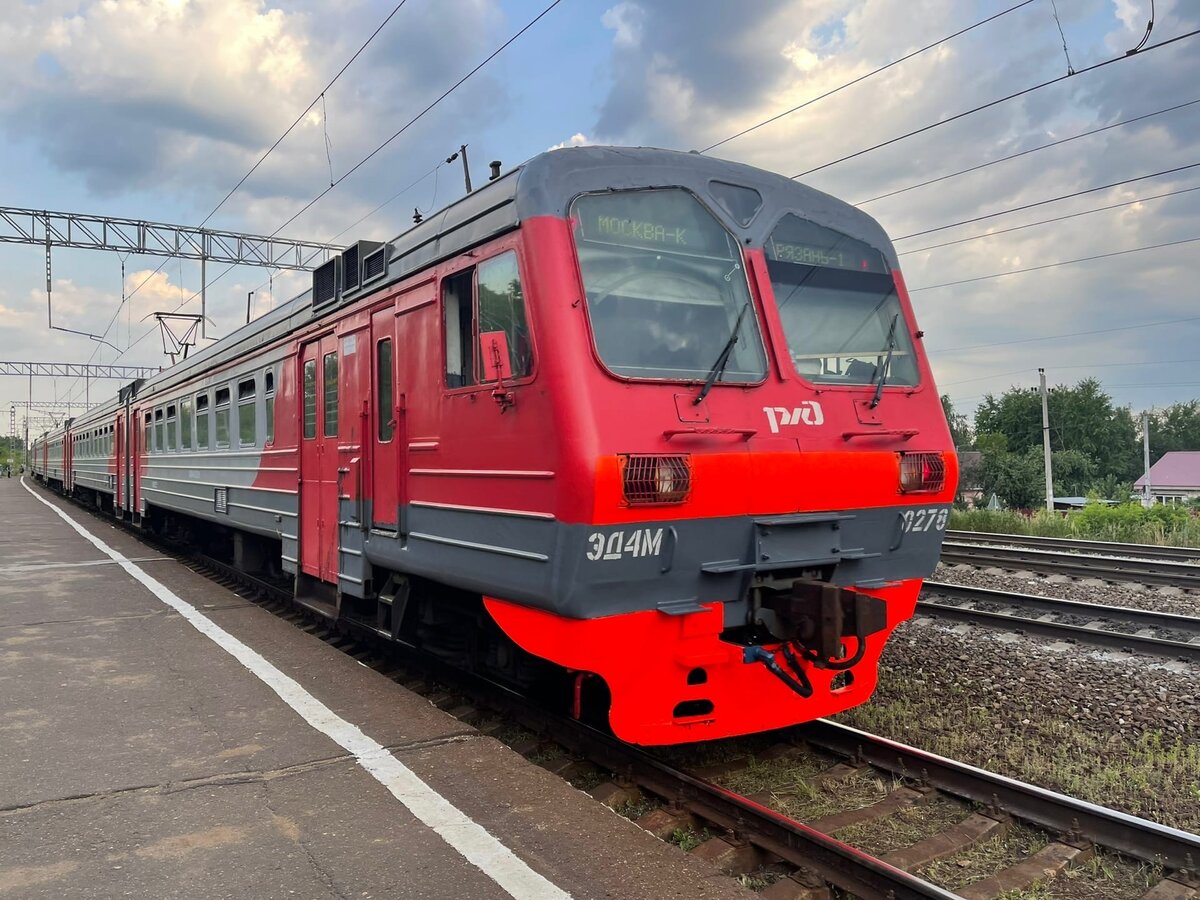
{"x":546,"y":185}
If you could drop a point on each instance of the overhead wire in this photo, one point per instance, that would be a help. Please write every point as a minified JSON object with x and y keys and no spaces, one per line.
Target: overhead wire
{"x":1025,"y":371}
{"x":1070,"y":334}
{"x":1067,"y":140}
{"x":1060,"y":197}
{"x":992,"y":103}
{"x":319,"y":98}
{"x":358,"y":165}
{"x":379,"y":148}
{"x":861,"y":78}
{"x":1075,"y":215}
{"x":1054,"y":265}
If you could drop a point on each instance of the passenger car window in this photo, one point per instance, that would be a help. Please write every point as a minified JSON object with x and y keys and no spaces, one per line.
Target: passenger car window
{"x":331,"y":394}
{"x":310,"y":399}
{"x":383,"y":389}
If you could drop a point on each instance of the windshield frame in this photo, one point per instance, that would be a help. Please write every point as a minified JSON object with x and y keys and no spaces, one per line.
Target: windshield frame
{"x":753,"y":296}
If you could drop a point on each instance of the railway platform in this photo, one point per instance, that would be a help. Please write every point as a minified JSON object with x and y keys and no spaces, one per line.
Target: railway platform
{"x":161,"y":736}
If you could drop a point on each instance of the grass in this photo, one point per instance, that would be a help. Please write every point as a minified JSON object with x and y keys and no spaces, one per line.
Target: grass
{"x":789,"y":792}
{"x":759,"y":879}
{"x":634,"y":810}
{"x":689,"y":838}
{"x":784,"y":774}
{"x":1172,"y":526}
{"x":907,"y":827}
{"x":1153,"y":775}
{"x":985,"y":858}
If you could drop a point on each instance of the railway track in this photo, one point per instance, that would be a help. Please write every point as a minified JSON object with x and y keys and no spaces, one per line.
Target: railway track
{"x":1122,"y":628}
{"x":1072,"y":545}
{"x":748,"y":835}
{"x":1057,"y":562}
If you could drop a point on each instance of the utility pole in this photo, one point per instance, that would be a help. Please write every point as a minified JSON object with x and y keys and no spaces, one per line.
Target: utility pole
{"x":1046,"y":442}
{"x":1147,"y":497}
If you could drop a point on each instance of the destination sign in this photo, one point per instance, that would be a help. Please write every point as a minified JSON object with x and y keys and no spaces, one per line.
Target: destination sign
{"x":668,"y":220}
{"x":810,"y":255}
{"x":614,"y":227}
{"x":805,"y":243}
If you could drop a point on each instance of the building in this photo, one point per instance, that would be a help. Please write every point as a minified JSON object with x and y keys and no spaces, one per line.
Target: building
{"x":1173,"y":479}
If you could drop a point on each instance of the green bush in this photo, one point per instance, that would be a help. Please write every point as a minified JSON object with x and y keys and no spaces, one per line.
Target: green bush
{"x":1177,"y":526}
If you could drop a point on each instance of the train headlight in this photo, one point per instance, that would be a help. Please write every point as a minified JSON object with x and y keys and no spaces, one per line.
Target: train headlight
{"x":922,"y":473}
{"x":655,"y":479}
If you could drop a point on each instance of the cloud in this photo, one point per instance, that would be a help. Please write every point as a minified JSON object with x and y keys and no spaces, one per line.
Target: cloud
{"x":186,"y":95}
{"x":578,"y":139}
{"x":688,"y":78}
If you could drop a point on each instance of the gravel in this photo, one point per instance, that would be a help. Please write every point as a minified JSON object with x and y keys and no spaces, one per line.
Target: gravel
{"x":1109,"y":727}
{"x":1128,"y":594}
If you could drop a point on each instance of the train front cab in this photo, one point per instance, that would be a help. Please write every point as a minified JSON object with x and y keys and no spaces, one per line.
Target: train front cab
{"x":770,"y":467}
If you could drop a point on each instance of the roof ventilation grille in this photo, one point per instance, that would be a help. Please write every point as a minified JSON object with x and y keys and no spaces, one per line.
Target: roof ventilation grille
{"x":375,"y":264}
{"x":325,"y":282}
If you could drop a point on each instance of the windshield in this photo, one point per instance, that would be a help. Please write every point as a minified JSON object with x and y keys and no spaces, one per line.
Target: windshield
{"x":837,"y":301}
{"x":665,"y":287}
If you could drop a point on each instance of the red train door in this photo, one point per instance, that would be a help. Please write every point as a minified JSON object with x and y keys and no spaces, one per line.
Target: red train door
{"x":119,"y":457}
{"x":319,"y":386}
{"x":386,"y":437}
{"x":137,"y":445}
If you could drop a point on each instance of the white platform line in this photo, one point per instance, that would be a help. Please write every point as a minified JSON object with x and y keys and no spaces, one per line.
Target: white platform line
{"x":475,"y":843}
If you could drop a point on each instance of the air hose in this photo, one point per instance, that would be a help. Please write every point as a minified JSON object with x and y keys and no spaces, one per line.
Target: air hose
{"x":836,"y":665}
{"x":801,"y":686}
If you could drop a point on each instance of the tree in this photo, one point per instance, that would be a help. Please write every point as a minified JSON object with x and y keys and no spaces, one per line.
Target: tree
{"x":1175,"y":428}
{"x":1016,"y":478}
{"x":960,"y":427}
{"x":1082,"y":419}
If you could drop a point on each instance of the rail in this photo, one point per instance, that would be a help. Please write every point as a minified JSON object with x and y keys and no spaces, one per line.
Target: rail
{"x":1118,"y":831}
{"x":1097,"y":548}
{"x":1163,"y":572}
{"x":1012,"y":607}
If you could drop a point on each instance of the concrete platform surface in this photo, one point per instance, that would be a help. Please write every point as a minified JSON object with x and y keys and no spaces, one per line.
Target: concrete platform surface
{"x":140,"y":758}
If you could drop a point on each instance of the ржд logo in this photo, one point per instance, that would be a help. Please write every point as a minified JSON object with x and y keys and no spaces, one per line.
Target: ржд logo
{"x":807,"y":413}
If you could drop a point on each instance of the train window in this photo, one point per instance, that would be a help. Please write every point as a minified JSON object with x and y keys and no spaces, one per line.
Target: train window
{"x":460,"y":335}
{"x":666,"y":288}
{"x":331,"y":394}
{"x":247,"y":426}
{"x":269,"y":404}
{"x":202,"y":421}
{"x":310,"y":399}
{"x":221,"y":418}
{"x":185,"y":424}
{"x":502,"y":308}
{"x":159,"y":436}
{"x":147,"y":443}
{"x":171,"y":427}
{"x":838,"y":305}
{"x":383,"y":389}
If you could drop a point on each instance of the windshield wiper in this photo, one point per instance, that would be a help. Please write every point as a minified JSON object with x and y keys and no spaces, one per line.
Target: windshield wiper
{"x":881,"y":371}
{"x":723,"y":360}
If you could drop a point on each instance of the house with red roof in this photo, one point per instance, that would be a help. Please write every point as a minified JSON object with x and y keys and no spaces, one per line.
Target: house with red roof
{"x":1173,"y":479}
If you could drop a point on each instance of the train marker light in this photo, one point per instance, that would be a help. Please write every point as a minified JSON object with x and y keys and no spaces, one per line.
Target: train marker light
{"x":655,"y":479}
{"x":922,"y":473}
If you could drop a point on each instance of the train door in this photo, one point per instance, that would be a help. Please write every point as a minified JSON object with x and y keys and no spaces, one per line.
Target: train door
{"x":387,"y":436}
{"x":319,"y":384}
{"x":139,"y":439}
{"x":119,"y":491}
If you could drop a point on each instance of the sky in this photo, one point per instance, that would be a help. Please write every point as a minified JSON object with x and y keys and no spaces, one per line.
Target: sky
{"x":154,"y":109}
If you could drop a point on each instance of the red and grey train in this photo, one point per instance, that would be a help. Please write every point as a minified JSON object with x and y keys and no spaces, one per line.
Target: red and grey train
{"x":657,"y":424}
